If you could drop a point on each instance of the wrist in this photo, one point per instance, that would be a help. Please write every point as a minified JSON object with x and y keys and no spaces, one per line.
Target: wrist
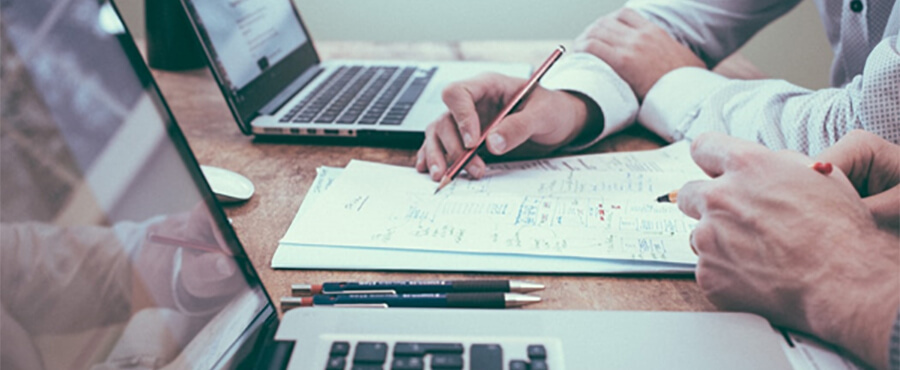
{"x":588,"y":119}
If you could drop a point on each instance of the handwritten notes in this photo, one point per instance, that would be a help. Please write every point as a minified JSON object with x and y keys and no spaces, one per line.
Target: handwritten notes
{"x":595,"y":206}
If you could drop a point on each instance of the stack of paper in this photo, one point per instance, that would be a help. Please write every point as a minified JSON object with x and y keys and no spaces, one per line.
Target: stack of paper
{"x":590,"y":213}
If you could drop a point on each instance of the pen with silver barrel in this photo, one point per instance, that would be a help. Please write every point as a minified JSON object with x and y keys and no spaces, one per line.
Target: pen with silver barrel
{"x":424,"y":300}
{"x":423,"y":286}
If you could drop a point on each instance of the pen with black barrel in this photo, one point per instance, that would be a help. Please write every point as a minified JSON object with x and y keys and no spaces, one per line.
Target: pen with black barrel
{"x":423,"y":286}
{"x":423,"y":300}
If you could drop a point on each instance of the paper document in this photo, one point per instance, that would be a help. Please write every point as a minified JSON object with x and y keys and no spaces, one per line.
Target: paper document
{"x":592,"y":206}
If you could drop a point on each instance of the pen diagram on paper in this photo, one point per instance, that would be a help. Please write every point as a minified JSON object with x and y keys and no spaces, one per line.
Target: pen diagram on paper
{"x":599,"y":206}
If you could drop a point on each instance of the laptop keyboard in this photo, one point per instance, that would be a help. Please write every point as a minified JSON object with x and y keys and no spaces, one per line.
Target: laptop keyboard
{"x":421,"y":356}
{"x":377,"y":95}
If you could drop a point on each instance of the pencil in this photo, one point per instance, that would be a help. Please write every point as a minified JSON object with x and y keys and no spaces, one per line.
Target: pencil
{"x":175,"y":242}
{"x":824,"y":168}
{"x":519,"y":98}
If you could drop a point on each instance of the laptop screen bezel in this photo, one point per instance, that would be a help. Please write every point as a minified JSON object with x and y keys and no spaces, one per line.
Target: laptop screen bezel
{"x":248,"y":100}
{"x":268,"y":312}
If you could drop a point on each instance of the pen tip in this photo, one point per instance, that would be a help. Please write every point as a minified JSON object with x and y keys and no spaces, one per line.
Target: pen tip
{"x":517,"y":300}
{"x":444,"y":181}
{"x":662,"y":199}
{"x":524,"y":286}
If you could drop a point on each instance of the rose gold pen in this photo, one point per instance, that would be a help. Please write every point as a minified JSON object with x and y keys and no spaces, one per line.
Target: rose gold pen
{"x":519,"y":98}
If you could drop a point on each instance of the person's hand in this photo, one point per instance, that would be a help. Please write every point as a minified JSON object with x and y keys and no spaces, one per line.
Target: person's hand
{"x":638,"y":50}
{"x":548,"y":120}
{"x":204,"y":280}
{"x":873,"y":165}
{"x":800,"y":248}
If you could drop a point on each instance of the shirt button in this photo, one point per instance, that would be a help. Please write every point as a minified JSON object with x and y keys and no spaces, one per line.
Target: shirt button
{"x":856,"y":6}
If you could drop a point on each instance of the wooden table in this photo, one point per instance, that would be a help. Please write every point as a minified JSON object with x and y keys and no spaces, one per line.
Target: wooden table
{"x":283,"y":173}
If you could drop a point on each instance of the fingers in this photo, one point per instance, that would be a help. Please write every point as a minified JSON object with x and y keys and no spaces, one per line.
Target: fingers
{"x":692,"y":200}
{"x":716,"y":153}
{"x":441,"y":148}
{"x":433,"y":151}
{"x":597,"y":47}
{"x":703,"y":238}
{"x":208,"y":274}
{"x":885,"y":208}
{"x":631,"y":18}
{"x":871,"y":163}
{"x":514,"y":130}
{"x":462,"y":98}
{"x":460,"y":101}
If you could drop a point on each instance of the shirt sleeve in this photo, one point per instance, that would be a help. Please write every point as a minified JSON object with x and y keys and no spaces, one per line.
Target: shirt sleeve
{"x":63,"y":279}
{"x":689,"y":101}
{"x":712,"y":29}
{"x":588,"y":75}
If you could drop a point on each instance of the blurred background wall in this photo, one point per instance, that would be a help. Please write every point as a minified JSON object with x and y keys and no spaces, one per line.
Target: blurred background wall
{"x":793,"y":48}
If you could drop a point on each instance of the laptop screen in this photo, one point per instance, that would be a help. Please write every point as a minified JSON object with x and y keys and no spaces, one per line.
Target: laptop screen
{"x":249,"y":36}
{"x":255,"y":49}
{"x":114,"y":253}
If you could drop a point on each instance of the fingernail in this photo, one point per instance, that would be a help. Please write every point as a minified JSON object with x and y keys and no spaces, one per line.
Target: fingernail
{"x":478,"y":172}
{"x":433,"y":170}
{"x":497,"y":143}
{"x":467,"y":140}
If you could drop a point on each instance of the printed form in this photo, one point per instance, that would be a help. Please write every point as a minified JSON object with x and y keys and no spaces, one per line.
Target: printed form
{"x":590,"y":206}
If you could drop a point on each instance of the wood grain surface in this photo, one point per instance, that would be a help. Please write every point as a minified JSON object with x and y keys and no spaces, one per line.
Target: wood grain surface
{"x":283,"y":172}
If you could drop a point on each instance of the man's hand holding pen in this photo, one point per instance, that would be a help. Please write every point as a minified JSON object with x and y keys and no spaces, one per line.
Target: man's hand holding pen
{"x":473,"y":105}
{"x":191,"y":268}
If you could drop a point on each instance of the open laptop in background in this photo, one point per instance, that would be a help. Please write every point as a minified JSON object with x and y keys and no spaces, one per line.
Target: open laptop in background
{"x":116,"y":254}
{"x":276,"y":85}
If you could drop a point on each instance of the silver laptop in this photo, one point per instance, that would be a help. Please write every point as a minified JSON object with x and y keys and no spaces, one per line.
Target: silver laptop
{"x":116,"y":254}
{"x":275,"y":83}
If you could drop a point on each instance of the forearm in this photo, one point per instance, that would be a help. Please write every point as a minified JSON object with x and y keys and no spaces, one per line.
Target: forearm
{"x":712,"y":29}
{"x":689,"y":101}
{"x":46,"y":271}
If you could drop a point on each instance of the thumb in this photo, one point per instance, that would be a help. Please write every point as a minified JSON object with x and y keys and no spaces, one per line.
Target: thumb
{"x":514,"y":130}
{"x":885,"y":208}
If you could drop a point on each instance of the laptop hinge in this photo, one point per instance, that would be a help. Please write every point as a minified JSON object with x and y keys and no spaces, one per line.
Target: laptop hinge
{"x":288,"y":92}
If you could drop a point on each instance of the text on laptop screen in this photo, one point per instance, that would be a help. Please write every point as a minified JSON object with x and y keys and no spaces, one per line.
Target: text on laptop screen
{"x":112,"y":255}
{"x":249,"y":36}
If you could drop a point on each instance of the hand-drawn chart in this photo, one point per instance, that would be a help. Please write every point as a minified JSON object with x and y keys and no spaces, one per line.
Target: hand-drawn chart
{"x":563,"y":207}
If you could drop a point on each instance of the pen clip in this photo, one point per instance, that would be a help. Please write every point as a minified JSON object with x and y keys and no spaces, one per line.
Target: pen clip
{"x":362,"y":305}
{"x":372,"y":291}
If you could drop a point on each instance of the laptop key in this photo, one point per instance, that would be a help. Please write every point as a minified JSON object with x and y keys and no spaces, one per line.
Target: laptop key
{"x":536,"y":351}
{"x":420,"y":349}
{"x":336,"y":363}
{"x":408,"y":363}
{"x":366,"y":367}
{"x":391,"y":121}
{"x":414,"y":90}
{"x":447,"y":361}
{"x":538,"y":365}
{"x":486,"y":357}
{"x":339,"y":349}
{"x":518,"y":365}
{"x":370,"y":353}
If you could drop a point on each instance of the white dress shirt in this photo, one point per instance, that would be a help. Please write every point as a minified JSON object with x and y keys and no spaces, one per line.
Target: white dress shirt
{"x":689,"y":101}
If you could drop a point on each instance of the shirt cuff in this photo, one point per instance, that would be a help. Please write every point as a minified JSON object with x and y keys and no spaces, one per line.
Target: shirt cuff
{"x":674,"y":101}
{"x":588,"y":75}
